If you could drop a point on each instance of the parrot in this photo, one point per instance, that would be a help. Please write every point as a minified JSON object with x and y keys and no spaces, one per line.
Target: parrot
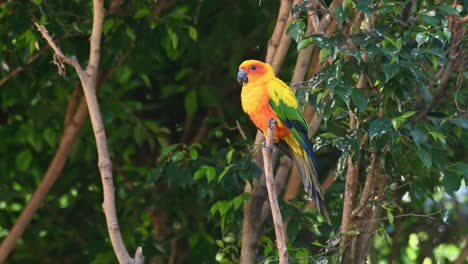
{"x":265,"y":97}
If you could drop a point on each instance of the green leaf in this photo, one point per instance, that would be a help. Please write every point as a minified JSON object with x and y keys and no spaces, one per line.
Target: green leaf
{"x":156,"y":174}
{"x":462,"y":169}
{"x":193,"y":153}
{"x":220,"y":243}
{"x":390,"y":70}
{"x":451,"y":182}
{"x":199,"y":173}
{"x":460,"y":121}
{"x":419,"y":136}
{"x":448,"y":10}
{"x":224,"y":172}
{"x":220,"y":256}
{"x":304,"y":43}
{"x":237,"y":201}
{"x":178,"y":156}
{"x":301,"y":6}
{"x":229,"y":155}
{"x":23,"y":160}
{"x":341,"y":14}
{"x":210,"y":173}
{"x":296,"y":29}
{"x":193,"y":33}
{"x":142,"y":12}
{"x":397,"y":121}
{"x":108,"y":24}
{"x":50,"y":137}
{"x":130,"y":33}
{"x":327,"y":135}
{"x":380,"y":126}
{"x":191,"y":102}
{"x":438,"y":136}
{"x":359,"y":99}
{"x":425,"y":157}
{"x":205,"y":170}
{"x":173,"y":37}
{"x":390,"y":216}
{"x":421,"y":38}
{"x":139,"y":134}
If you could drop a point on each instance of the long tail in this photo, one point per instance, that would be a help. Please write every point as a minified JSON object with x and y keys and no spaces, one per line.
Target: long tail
{"x":307,"y":170}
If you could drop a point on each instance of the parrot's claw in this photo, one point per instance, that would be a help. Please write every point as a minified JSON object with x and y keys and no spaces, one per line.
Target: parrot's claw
{"x":264,"y":147}
{"x":271,"y":122}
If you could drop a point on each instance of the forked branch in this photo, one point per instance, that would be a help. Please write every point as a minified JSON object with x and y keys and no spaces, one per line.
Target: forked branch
{"x":88,"y":80}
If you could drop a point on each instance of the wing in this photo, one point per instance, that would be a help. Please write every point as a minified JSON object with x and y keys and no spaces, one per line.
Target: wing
{"x":284,"y":104}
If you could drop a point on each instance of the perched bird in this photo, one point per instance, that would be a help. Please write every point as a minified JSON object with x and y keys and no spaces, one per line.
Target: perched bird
{"x":265,"y":97}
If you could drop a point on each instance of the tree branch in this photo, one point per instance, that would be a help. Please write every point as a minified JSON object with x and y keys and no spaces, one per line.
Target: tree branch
{"x":273,"y":198}
{"x":53,"y":172}
{"x":366,"y":191}
{"x":88,"y":81}
{"x":273,"y":43}
{"x":251,"y":226}
{"x":21,"y":68}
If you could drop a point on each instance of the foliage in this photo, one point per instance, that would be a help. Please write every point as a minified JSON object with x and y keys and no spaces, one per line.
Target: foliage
{"x":170,"y":104}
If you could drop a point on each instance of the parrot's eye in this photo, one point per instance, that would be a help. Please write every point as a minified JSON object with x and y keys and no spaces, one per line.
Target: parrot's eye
{"x":253,"y":67}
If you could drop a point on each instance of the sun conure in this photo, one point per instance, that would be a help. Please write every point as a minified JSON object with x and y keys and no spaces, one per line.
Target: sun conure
{"x":266,"y":97}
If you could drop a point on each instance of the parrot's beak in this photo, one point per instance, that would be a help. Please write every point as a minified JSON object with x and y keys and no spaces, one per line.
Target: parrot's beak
{"x":242,"y":76}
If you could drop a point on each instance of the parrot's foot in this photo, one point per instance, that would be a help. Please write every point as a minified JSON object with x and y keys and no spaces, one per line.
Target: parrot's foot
{"x":271,"y":122}
{"x":264,"y":147}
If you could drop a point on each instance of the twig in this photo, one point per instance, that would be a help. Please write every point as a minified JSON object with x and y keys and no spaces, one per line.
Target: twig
{"x":275,"y":211}
{"x":88,"y":79}
{"x":241,"y":131}
{"x":366,"y":191}
{"x":20,"y":68}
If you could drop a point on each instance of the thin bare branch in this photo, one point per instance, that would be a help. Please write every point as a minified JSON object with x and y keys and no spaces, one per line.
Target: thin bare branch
{"x":88,"y":81}
{"x":58,"y":54}
{"x":241,"y":131}
{"x":21,"y":68}
{"x":273,"y":198}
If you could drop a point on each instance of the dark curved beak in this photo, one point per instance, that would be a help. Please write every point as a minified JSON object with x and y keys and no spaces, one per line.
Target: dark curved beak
{"x":242,"y":76}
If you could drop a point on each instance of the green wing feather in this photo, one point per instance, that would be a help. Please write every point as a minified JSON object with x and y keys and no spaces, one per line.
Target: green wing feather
{"x":284,"y":103}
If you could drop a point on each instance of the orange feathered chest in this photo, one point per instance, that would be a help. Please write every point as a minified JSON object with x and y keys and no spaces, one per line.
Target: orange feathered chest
{"x":255,"y":103}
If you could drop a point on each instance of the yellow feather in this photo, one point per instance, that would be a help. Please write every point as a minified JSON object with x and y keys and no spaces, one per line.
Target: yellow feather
{"x":277,"y":90}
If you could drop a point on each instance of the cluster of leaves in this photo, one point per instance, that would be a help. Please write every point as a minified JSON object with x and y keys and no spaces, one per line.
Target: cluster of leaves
{"x":399,"y":62}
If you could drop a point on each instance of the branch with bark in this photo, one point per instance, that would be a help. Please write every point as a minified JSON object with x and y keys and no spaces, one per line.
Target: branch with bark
{"x":88,"y":78}
{"x":251,"y":227}
{"x":272,"y":196}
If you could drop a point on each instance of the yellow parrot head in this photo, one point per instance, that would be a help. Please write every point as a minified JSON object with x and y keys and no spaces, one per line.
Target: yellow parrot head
{"x":251,"y":71}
